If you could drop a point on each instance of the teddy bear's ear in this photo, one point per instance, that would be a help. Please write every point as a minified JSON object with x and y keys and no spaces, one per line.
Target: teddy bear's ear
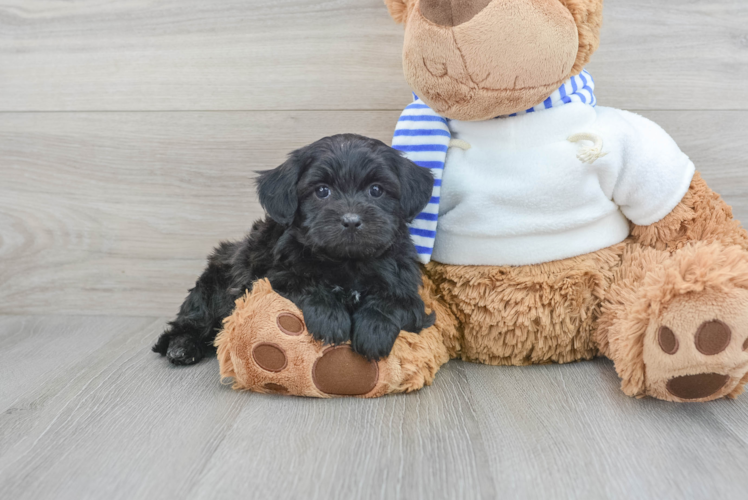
{"x":398,"y":9}
{"x":588,"y":15}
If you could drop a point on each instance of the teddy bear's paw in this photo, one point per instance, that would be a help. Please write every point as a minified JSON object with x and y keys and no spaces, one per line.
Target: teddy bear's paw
{"x":699,"y":349}
{"x":265,"y":347}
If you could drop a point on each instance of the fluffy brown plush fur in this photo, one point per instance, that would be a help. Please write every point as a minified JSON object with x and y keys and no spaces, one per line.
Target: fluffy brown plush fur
{"x":528,"y":314}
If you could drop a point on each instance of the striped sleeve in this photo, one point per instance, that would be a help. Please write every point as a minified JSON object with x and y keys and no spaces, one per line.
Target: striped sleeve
{"x":423,"y":137}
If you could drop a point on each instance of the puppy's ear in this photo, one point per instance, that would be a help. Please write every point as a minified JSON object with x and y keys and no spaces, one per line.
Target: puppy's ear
{"x":416,"y":185}
{"x":276,"y":188}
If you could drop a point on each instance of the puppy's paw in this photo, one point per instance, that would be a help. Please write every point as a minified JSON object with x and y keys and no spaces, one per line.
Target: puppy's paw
{"x":420,"y":322}
{"x":429,"y":320}
{"x":373,"y":334}
{"x":183,"y":350}
{"x":328,"y":325}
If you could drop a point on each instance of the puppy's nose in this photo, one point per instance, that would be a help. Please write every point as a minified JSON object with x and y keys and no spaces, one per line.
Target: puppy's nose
{"x":351,"y":221}
{"x":451,"y":12}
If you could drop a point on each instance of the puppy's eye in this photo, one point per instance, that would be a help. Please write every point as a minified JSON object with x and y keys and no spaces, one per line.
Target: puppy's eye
{"x":322,"y":192}
{"x":376,"y":191}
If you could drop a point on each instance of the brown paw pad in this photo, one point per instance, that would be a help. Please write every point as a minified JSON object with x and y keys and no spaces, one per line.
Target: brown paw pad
{"x":290,"y":324}
{"x":713,"y":337}
{"x":342,"y":372}
{"x":697,"y":386}
{"x":745,"y":345}
{"x":275,"y":388}
{"x":269,"y":357}
{"x":668,"y":341}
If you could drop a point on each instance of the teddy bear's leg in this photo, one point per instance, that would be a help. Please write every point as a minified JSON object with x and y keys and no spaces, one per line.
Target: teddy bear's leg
{"x":523,"y":315}
{"x":675,"y":320}
{"x":264,"y":347}
{"x":676,"y":324}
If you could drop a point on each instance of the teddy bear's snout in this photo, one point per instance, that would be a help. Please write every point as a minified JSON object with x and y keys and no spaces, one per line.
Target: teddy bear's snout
{"x":473,"y":60}
{"x":451,"y":12}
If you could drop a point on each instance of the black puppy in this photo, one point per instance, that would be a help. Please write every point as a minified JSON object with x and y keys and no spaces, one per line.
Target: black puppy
{"x":336,"y":243}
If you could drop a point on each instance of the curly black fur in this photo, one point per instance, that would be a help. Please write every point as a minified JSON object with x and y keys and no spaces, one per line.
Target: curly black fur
{"x":335,"y":242}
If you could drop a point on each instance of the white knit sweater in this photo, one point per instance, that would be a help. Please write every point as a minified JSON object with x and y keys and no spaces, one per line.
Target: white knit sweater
{"x":523,"y":193}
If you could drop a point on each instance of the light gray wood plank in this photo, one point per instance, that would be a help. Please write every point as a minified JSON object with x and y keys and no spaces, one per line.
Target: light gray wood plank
{"x":660,"y":54}
{"x":115,"y":213}
{"x":35,"y":349}
{"x":344,"y":54}
{"x":567,"y":431}
{"x":119,"y":423}
{"x":123,"y":423}
{"x":422,"y":445}
{"x":116,"y":421}
{"x":191,"y":54}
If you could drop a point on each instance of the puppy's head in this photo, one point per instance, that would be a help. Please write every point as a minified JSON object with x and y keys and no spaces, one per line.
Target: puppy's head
{"x":345,"y":196}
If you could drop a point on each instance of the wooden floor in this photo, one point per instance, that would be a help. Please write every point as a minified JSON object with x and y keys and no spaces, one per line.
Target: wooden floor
{"x":129,"y":134}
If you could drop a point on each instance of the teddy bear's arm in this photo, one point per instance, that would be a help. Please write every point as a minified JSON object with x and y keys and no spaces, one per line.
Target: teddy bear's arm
{"x":652,"y":167}
{"x":702,"y":215}
{"x":645,"y":170}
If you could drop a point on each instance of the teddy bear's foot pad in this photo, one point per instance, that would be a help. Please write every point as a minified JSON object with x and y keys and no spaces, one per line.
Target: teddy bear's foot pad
{"x":342,"y":372}
{"x":697,"y":386}
{"x":269,"y":357}
{"x":699,"y":352}
{"x":712,"y":338}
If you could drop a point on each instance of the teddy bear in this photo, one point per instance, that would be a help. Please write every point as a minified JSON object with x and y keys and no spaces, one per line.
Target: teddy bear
{"x":559,"y":230}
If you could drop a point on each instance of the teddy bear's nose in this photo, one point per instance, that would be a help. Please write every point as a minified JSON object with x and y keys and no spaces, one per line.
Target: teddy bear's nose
{"x":451,"y":12}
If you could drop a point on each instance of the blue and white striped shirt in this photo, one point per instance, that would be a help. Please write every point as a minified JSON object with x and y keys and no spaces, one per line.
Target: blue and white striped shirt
{"x":423,"y":136}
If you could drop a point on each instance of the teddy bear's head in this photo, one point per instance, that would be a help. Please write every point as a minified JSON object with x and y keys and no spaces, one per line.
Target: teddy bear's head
{"x":478,"y":59}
